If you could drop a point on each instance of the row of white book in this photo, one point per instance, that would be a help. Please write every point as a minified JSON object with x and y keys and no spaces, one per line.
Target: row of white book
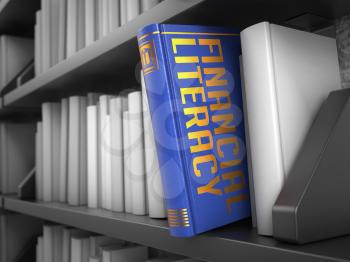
{"x":65,"y":244}
{"x":99,"y":150}
{"x":63,"y":27}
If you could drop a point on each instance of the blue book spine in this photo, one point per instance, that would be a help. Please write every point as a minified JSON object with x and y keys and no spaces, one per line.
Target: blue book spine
{"x":194,"y":91}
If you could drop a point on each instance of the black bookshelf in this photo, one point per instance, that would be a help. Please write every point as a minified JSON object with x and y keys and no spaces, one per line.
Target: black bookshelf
{"x":238,"y":241}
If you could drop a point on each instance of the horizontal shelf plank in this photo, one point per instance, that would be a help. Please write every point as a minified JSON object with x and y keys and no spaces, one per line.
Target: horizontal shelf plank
{"x":17,"y":17}
{"x":226,"y":244}
{"x":111,"y":64}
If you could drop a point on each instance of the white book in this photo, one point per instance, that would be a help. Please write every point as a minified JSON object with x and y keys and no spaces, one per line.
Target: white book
{"x":105,"y":17}
{"x":15,"y":55}
{"x":81,"y":25}
{"x":105,"y":154}
{"x":79,"y":249}
{"x":125,"y":254}
{"x":39,"y":162}
{"x":137,"y":163}
{"x":133,"y":9}
{"x":51,"y":147}
{"x":113,"y":14}
{"x":92,"y":155}
{"x":90,"y":21}
{"x":68,"y":233}
{"x":97,"y":242}
{"x":155,"y":193}
{"x":52,"y":240}
{"x":54,"y":30}
{"x":62,"y":27}
{"x":148,"y":4}
{"x":64,"y":150}
{"x":117,"y":106}
{"x":77,"y":155}
{"x":94,"y":259}
{"x":38,"y":44}
{"x":123,"y":12}
{"x":288,"y":74}
{"x":46,"y":36}
{"x":40,"y":250}
{"x":126,"y":164}
{"x":72,"y":27}
{"x":17,"y":154}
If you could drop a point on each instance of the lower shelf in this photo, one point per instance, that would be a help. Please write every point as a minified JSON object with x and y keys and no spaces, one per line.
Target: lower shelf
{"x":236,"y":242}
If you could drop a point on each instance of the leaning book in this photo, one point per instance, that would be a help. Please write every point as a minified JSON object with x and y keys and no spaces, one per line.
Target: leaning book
{"x":192,"y":76}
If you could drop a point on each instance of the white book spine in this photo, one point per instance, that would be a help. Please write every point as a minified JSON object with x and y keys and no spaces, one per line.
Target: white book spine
{"x":137,"y":167}
{"x":80,"y":250}
{"x":64,"y":150}
{"x":105,"y":17}
{"x":56,"y":144}
{"x":54,"y":30}
{"x":155,"y":193}
{"x":92,"y":142}
{"x":114,"y":14}
{"x":81,"y":25}
{"x":83,"y":152}
{"x":62,"y":27}
{"x":72,"y":25}
{"x":90,"y":17}
{"x":46,"y":39}
{"x":123,"y":12}
{"x":148,"y":4}
{"x":38,"y":44}
{"x":116,"y":110}
{"x":126,"y":161}
{"x":133,"y":9}
{"x":40,"y":250}
{"x":48,"y":243}
{"x":39,"y":162}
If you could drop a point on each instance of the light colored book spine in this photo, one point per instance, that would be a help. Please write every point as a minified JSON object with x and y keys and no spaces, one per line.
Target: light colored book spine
{"x":133,"y":9}
{"x":116,"y":110}
{"x":128,"y":253}
{"x":64,"y":150}
{"x":97,"y":242}
{"x":38,"y":44}
{"x":123,"y":12}
{"x":93,"y":168}
{"x":90,"y":17}
{"x":51,"y":142}
{"x":105,"y":17}
{"x":79,"y":249}
{"x":39,"y":161}
{"x":48,"y":243}
{"x":81,"y":25}
{"x":62,"y":27}
{"x":137,"y":167}
{"x":54,"y":30}
{"x":77,"y":180}
{"x":46,"y":38}
{"x":114,"y":14}
{"x":148,"y":4}
{"x":156,"y":202}
{"x":72,"y":25}
{"x":126,"y":162}
{"x":40,"y":250}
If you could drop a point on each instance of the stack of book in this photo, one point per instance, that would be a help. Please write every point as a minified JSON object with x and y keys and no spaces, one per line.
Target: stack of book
{"x":63,"y":244}
{"x":98,"y":150}
{"x":64,"y":27}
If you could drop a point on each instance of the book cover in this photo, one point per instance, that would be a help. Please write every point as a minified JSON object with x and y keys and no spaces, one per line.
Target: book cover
{"x":192,"y":77}
{"x":288,"y":73}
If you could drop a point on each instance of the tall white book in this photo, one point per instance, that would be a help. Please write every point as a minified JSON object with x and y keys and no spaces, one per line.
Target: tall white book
{"x":126,"y":164}
{"x":148,"y":4}
{"x":80,"y":249}
{"x":90,"y":21}
{"x":117,"y":106}
{"x":51,"y":147}
{"x":137,"y":162}
{"x":288,"y":74}
{"x":133,"y":9}
{"x":38,"y":44}
{"x":81,"y":25}
{"x":125,"y":254}
{"x":46,"y":35}
{"x":40,"y":250}
{"x":123,"y":12}
{"x":113,"y":14}
{"x":97,"y":242}
{"x":62,"y":29}
{"x":77,"y":155}
{"x":52,"y":243}
{"x":92,"y":155}
{"x":105,"y":152}
{"x":95,"y":259}
{"x":64,"y":150}
{"x":54,"y":30}
{"x":68,"y":233}
{"x":72,"y":27}
{"x":155,"y":193}
{"x":39,"y":162}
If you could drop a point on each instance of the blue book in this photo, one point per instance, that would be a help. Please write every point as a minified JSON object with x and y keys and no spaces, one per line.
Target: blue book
{"x":192,"y":77}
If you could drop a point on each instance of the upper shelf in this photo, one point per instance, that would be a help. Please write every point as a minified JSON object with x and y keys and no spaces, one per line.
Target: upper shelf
{"x":17,"y":17}
{"x":226,"y":244}
{"x":111,"y":64}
